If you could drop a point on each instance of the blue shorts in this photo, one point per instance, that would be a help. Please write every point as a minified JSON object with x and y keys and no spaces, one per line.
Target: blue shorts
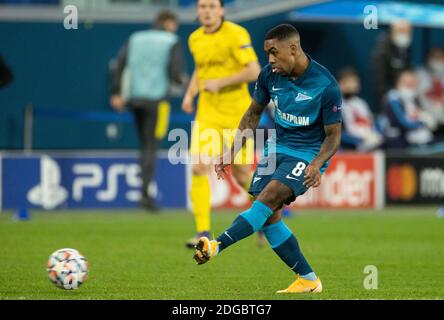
{"x":283,"y":168}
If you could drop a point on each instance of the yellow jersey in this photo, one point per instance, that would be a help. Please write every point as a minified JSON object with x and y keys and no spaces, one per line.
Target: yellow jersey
{"x":217,"y":55}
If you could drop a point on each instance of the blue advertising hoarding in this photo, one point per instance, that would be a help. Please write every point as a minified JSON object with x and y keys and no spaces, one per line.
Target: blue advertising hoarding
{"x":85,"y":180}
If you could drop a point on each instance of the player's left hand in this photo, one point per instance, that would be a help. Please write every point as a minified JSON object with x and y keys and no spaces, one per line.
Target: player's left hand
{"x":312,"y":178}
{"x":213,"y":86}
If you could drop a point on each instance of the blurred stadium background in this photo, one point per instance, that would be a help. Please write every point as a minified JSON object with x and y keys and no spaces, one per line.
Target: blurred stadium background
{"x":62,"y":148}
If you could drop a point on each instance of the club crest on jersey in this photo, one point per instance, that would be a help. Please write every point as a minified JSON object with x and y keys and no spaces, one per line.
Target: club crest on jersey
{"x":302,"y":97}
{"x":337,"y":108}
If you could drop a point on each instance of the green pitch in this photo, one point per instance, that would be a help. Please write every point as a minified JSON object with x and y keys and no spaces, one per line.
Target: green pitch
{"x":134,"y":255}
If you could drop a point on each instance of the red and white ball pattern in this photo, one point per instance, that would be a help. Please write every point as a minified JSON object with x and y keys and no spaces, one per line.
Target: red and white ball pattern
{"x":67,"y":268}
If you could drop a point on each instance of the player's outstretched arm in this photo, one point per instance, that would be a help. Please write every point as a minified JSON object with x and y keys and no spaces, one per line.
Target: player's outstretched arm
{"x":247,"y":126}
{"x":192,"y":90}
{"x":117,"y":101}
{"x":248,"y":74}
{"x":328,"y":149}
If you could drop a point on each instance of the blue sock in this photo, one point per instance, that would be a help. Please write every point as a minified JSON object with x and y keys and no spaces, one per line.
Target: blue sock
{"x":245,"y":224}
{"x":286,"y":246}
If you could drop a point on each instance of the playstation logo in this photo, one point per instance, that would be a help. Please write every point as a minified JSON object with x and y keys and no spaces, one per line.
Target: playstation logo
{"x":49,"y":193}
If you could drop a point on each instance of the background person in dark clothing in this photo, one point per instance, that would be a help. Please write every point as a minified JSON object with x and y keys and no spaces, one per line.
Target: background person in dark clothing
{"x":392,"y":55}
{"x":143,"y":73}
{"x":5,"y":73}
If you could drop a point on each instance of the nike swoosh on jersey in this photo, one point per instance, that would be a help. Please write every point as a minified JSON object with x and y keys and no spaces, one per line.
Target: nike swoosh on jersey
{"x":256,"y":179}
{"x":290,"y":177}
{"x":276,"y":89}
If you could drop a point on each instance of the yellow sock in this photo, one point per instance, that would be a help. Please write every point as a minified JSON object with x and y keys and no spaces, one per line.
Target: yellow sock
{"x":201,"y":202}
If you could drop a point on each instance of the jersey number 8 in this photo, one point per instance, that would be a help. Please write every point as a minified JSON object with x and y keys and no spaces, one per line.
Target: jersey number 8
{"x":297,"y":171}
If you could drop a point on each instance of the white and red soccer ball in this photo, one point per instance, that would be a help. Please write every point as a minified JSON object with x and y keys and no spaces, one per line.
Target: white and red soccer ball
{"x":67,"y":268}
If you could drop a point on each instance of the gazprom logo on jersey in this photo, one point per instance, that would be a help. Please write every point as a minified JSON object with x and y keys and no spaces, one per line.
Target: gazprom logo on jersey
{"x":88,"y":181}
{"x":288,"y":117}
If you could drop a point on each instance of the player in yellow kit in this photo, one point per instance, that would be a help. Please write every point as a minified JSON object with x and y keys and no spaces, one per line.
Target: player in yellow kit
{"x":225,"y":62}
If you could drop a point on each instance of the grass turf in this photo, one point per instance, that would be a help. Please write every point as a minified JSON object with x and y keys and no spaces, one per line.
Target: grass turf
{"x":134,"y":255}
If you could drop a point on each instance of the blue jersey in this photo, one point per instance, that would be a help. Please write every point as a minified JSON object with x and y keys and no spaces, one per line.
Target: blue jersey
{"x":303,"y":107}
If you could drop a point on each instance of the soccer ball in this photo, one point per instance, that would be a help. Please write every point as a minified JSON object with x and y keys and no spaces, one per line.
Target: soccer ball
{"x":67,"y":268}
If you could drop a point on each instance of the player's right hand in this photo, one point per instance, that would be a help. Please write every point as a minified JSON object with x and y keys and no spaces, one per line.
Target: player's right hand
{"x":220,"y":170}
{"x":187,"y":104}
{"x":220,"y":167}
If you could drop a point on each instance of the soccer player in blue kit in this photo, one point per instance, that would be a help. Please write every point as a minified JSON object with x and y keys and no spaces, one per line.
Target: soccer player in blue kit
{"x":308,"y":132}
